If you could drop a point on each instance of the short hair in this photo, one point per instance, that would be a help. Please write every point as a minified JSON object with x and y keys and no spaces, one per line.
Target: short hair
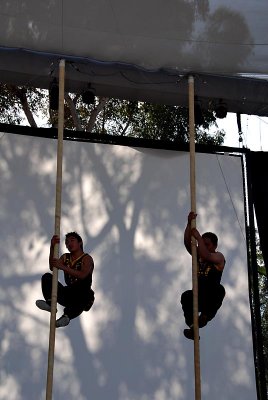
{"x":76,"y":236}
{"x":212,"y":237}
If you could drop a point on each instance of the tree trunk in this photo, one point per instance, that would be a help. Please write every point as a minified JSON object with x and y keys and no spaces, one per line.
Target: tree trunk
{"x":21,"y":95}
{"x":95,"y":112}
{"x":74,"y":114}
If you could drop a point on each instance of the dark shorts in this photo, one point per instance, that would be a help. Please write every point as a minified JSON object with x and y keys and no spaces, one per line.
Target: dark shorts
{"x":75,"y":298}
{"x":210,"y":299}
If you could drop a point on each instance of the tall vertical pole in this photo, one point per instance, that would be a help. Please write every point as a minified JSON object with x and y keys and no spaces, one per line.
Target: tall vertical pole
{"x":193,"y":242}
{"x":51,"y":347}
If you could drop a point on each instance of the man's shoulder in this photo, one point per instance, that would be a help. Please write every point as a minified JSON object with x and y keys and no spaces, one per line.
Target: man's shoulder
{"x":220,"y":260}
{"x":220,"y":254}
{"x":88,"y":256}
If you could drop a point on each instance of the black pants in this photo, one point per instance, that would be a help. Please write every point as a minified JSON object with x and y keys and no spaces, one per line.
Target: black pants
{"x":210,"y":299}
{"x":75,"y":298}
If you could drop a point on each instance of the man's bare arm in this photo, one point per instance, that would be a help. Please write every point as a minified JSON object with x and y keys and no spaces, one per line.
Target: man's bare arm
{"x":216,"y":258}
{"x":188,"y":233}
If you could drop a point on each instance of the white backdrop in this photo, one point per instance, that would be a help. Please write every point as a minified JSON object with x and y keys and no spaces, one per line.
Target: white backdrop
{"x":130,"y":206}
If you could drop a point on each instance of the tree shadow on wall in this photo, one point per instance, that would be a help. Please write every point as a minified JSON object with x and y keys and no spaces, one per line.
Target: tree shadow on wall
{"x":123,"y":202}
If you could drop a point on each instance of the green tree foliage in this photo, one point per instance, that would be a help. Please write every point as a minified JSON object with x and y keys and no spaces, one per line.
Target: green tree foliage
{"x":263,"y":292}
{"x":109,"y":116}
{"x":18,"y":104}
{"x":158,"y":122}
{"x":263,"y":295}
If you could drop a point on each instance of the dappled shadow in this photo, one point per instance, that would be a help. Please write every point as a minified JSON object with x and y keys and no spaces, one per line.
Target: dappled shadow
{"x":186,"y":36}
{"x":130,"y":206}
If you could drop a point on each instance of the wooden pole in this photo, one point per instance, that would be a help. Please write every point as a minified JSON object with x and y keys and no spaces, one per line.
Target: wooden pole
{"x":52,"y":332}
{"x":193,"y":242}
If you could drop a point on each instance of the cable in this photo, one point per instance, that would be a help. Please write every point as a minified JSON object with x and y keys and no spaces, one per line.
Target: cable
{"x":230,"y":196}
{"x":262,"y":120}
{"x":260,"y":134}
{"x":123,"y":74}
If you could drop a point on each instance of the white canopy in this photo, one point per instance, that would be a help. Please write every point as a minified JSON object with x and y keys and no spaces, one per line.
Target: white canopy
{"x":141,"y":50}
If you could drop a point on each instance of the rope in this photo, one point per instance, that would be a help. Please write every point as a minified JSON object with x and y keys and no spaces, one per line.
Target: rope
{"x":193,"y":241}
{"x":51,"y":346}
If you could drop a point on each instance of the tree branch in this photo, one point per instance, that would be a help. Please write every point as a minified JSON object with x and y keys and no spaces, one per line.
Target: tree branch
{"x":95,"y":112}
{"x":21,"y":95}
{"x":74,"y":114}
{"x":125,"y":128}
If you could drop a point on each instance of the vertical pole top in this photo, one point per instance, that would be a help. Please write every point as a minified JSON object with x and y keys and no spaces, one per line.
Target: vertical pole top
{"x":190,"y":79}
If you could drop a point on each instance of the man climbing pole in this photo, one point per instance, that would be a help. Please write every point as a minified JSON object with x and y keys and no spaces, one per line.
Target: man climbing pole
{"x":77,"y":296}
{"x":210,"y":267}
